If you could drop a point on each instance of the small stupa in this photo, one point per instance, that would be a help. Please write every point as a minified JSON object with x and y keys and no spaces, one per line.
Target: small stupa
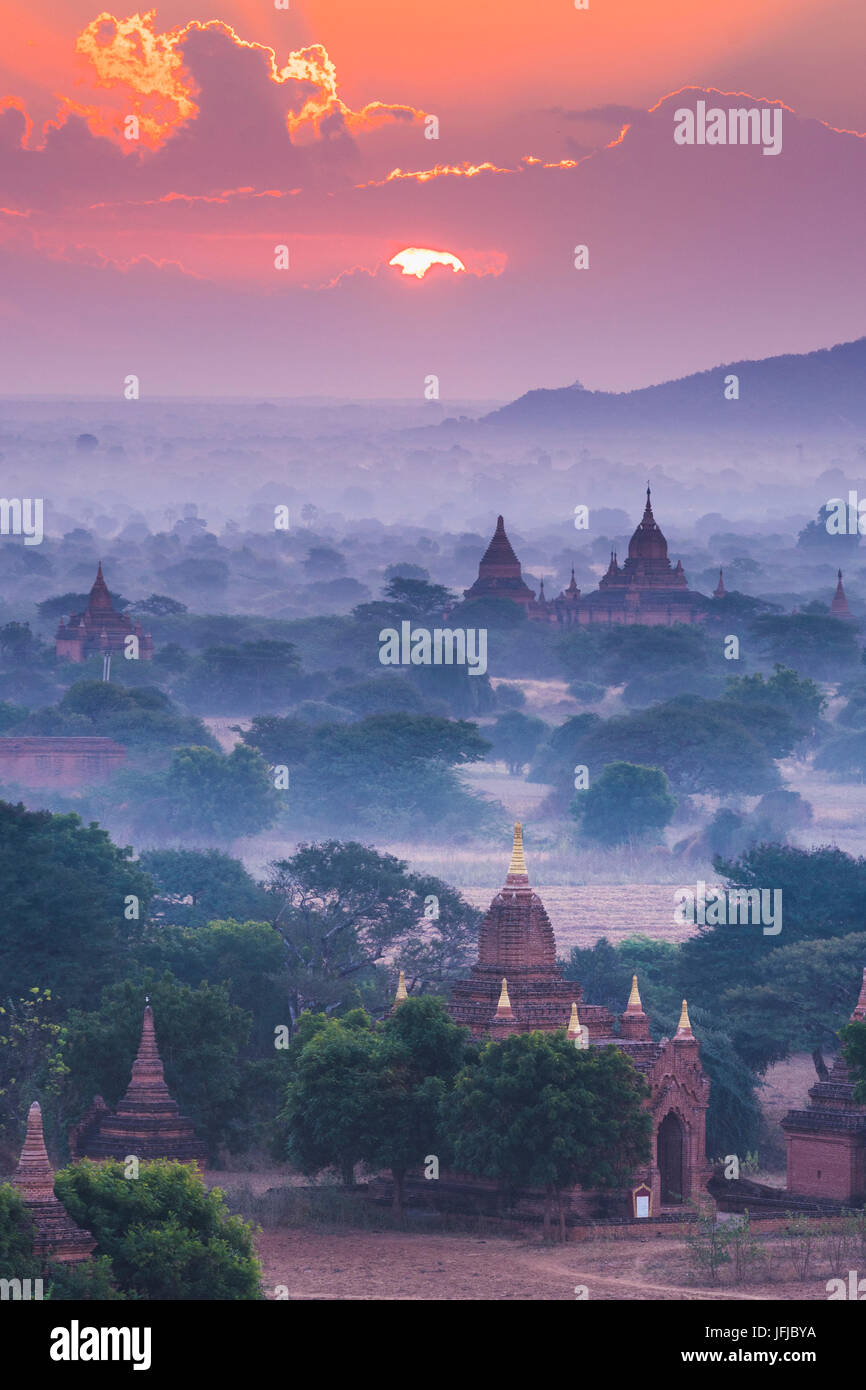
{"x":57,"y":1237}
{"x":147,"y":1123}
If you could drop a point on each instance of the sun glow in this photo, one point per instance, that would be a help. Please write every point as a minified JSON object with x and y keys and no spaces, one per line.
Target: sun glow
{"x":417,"y":260}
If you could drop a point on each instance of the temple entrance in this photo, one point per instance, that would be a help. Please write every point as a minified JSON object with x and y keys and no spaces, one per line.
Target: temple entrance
{"x":671,"y":1144}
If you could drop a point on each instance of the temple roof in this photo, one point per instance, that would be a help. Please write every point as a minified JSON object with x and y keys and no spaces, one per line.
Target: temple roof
{"x":147,"y":1122}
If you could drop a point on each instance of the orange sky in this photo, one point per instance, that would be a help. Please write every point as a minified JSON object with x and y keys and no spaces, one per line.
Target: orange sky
{"x":507,"y":56}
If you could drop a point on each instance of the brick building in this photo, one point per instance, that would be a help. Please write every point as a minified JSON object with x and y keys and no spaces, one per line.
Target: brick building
{"x":517,"y":986}
{"x":99,"y":630}
{"x":826,"y":1142}
{"x":59,"y":761}
{"x":645,"y":589}
{"x":147,"y":1122}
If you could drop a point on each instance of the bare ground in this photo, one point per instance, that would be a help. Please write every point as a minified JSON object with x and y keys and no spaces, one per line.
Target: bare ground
{"x":311,"y":1264}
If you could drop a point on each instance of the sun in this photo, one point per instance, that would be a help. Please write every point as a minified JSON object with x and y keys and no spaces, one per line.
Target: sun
{"x":417,"y":260}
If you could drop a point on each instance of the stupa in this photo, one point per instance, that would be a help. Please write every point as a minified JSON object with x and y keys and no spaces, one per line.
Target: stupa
{"x":57,"y":1237}
{"x":147,"y":1123}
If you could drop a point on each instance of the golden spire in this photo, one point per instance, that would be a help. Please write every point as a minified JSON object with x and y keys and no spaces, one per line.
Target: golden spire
{"x":684,"y":1028}
{"x":518,"y":863}
{"x":504,"y":1001}
{"x":573,"y":1030}
{"x":401,"y":989}
{"x":634,"y":998}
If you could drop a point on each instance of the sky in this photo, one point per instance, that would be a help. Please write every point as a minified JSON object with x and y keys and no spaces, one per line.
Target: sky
{"x":248,"y":239}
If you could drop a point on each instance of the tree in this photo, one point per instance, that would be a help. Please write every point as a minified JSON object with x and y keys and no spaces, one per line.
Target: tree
{"x":822,"y":646}
{"x":417,"y":1053}
{"x":278,"y":739}
{"x":166,"y":1235}
{"x":17,"y":1260}
{"x":537,"y":1112}
{"x":328,"y":1099}
{"x":31,"y":1060}
{"x":218,"y":795}
{"x":418,"y":600}
{"x":143,"y":718}
{"x":341,"y":908}
{"x":823,"y":891}
{"x":516,"y":737}
{"x":192,"y":887}
{"x":64,"y":888}
{"x":797,"y":1001}
{"x":16,"y":641}
{"x":160,"y":606}
{"x":626,"y":802}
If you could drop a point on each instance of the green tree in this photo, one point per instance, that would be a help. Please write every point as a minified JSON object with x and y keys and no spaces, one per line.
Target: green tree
{"x":537,"y":1112}
{"x":328,"y":1098}
{"x":342,"y":908}
{"x":193,"y":887}
{"x":166,"y":1235}
{"x":31,"y":1060}
{"x":515,"y":739}
{"x":17,"y":1260}
{"x":218,"y":795}
{"x":64,"y":888}
{"x":627,"y":802}
{"x":417,"y":1053}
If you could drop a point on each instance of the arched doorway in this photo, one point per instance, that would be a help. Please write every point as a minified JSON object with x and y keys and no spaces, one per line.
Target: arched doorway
{"x":671,"y":1144}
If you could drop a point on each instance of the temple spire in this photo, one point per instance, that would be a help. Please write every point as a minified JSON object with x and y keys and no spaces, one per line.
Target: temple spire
{"x":503,"y":1008}
{"x":517,"y":867}
{"x":34,"y":1177}
{"x":401,"y":994}
{"x":720,"y":591}
{"x":684,"y":1027}
{"x":634,"y":998}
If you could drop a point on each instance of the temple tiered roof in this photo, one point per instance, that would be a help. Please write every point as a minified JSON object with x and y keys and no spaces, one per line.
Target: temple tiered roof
{"x":147,"y":1122}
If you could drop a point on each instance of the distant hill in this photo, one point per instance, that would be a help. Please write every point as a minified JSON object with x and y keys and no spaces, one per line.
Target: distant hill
{"x":811,"y":391}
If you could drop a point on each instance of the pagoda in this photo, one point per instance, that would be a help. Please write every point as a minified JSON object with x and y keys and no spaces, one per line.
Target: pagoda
{"x":826,"y":1142}
{"x":147,"y":1123}
{"x":839,"y":605}
{"x":517,"y":986}
{"x":499,"y":573}
{"x":99,"y":630}
{"x":57,"y":1237}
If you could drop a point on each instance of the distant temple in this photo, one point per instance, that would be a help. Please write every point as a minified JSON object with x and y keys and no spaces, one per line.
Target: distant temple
{"x":517,"y":986}
{"x":99,"y":629}
{"x":58,"y":760}
{"x":57,"y":1237}
{"x":645,"y":589}
{"x":839,"y":606}
{"x":147,"y":1122}
{"x":827,"y":1142}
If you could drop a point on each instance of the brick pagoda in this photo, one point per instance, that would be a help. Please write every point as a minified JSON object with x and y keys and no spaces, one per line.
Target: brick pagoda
{"x":100,"y":629}
{"x":517,"y":986}
{"x":827,"y":1142}
{"x":57,"y":1236}
{"x":147,"y":1122}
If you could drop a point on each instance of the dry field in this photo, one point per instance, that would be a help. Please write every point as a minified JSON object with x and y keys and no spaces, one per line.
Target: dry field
{"x":313,"y":1264}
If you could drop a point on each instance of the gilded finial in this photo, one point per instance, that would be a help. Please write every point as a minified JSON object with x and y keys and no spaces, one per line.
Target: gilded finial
{"x":504,"y":1001}
{"x":573,"y":1023}
{"x":401,"y":989}
{"x":684,"y":1026}
{"x":634,"y":997}
{"x":518,"y":863}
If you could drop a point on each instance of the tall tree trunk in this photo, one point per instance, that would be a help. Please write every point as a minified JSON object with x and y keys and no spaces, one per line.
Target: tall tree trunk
{"x":820,"y":1065}
{"x":548,"y":1203}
